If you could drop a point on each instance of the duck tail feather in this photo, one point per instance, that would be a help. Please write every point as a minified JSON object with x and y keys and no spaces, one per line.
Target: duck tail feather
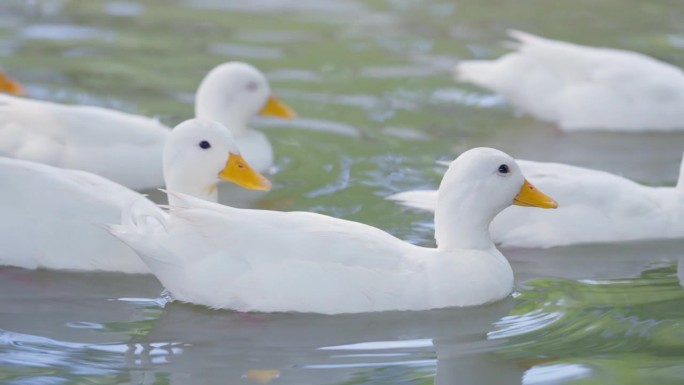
{"x":418,"y":199}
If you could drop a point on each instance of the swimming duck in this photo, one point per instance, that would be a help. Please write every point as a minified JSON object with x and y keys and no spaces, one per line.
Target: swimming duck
{"x":595,"y":206}
{"x":127,"y":148}
{"x":583,"y":88}
{"x":52,"y":217}
{"x":267,"y":261}
{"x":10,"y":86}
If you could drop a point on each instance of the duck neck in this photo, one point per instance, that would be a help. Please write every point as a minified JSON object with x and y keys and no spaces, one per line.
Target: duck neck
{"x":235,"y":123}
{"x":462,"y":221}
{"x":208,"y":192}
{"x":207,"y":106}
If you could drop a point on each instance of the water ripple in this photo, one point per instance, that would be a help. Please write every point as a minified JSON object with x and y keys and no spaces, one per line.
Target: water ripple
{"x":341,"y":183}
{"x":66,"y":32}
{"x":382,"y":345}
{"x":124,"y":8}
{"x":312,"y":124}
{"x":246,"y":51}
{"x":535,"y":320}
{"x":80,"y":358}
{"x":566,"y":318}
{"x":555,"y":374}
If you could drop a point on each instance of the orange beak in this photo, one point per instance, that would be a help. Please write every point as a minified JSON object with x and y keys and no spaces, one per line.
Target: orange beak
{"x":529,"y":196}
{"x":275,"y":107}
{"x":238,"y":171}
{"x":11,"y":86}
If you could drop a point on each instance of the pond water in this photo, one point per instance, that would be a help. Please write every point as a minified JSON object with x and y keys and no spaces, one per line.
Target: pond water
{"x":372,"y":83}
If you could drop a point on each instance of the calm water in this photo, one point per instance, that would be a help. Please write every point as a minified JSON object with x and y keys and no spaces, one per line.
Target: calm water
{"x":371,"y":81}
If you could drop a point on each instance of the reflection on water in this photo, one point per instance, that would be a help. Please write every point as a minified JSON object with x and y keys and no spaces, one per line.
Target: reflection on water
{"x":554,"y":331}
{"x":606,"y":330}
{"x":372,"y":83}
{"x":377,"y":348}
{"x":597,"y":262}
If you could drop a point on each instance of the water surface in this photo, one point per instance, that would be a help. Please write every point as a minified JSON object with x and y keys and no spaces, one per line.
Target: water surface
{"x":372,"y":83}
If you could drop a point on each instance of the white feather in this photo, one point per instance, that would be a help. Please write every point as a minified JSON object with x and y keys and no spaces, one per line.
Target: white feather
{"x":121,"y":147}
{"x":54,"y":218}
{"x":51,"y":219}
{"x":127,"y":148}
{"x":583,"y":88}
{"x":594,"y":206}
{"x":257,"y":260}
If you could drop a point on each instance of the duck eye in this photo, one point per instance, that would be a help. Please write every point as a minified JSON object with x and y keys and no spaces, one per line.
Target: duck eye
{"x":252,"y":86}
{"x":204,"y":145}
{"x":503,"y":169}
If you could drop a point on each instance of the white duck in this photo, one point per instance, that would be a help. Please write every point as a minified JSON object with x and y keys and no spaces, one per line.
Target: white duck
{"x":127,"y":148}
{"x":583,"y":88}
{"x":52,"y":217}
{"x":252,"y":260}
{"x":595,"y":206}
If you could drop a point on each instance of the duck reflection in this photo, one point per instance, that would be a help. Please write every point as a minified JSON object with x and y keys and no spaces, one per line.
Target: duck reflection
{"x":225,"y":347}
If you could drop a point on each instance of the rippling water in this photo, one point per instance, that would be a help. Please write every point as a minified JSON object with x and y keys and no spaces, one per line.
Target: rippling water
{"x":372,"y":83}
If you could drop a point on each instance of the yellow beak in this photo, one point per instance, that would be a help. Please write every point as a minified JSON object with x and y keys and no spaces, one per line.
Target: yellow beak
{"x":275,"y":107}
{"x":11,"y":86}
{"x":529,"y":196}
{"x":238,"y":171}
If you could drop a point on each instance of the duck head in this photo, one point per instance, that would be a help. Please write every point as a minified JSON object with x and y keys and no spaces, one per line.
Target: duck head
{"x":234,"y":92}
{"x":478,"y":185}
{"x":199,"y":153}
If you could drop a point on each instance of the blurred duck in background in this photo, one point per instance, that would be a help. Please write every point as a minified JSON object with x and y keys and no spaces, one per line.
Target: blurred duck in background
{"x":127,"y":148}
{"x":583,"y":88}
{"x":595,"y":206}
{"x":52,"y":217}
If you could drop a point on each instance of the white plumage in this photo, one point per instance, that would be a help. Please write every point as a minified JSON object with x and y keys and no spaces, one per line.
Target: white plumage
{"x":583,"y":88}
{"x":252,"y":260}
{"x":53,"y":218}
{"x":121,"y":147}
{"x":127,"y":148}
{"x":595,"y":206}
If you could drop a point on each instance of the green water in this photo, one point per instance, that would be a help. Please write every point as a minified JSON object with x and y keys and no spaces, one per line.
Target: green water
{"x":371,"y":81}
